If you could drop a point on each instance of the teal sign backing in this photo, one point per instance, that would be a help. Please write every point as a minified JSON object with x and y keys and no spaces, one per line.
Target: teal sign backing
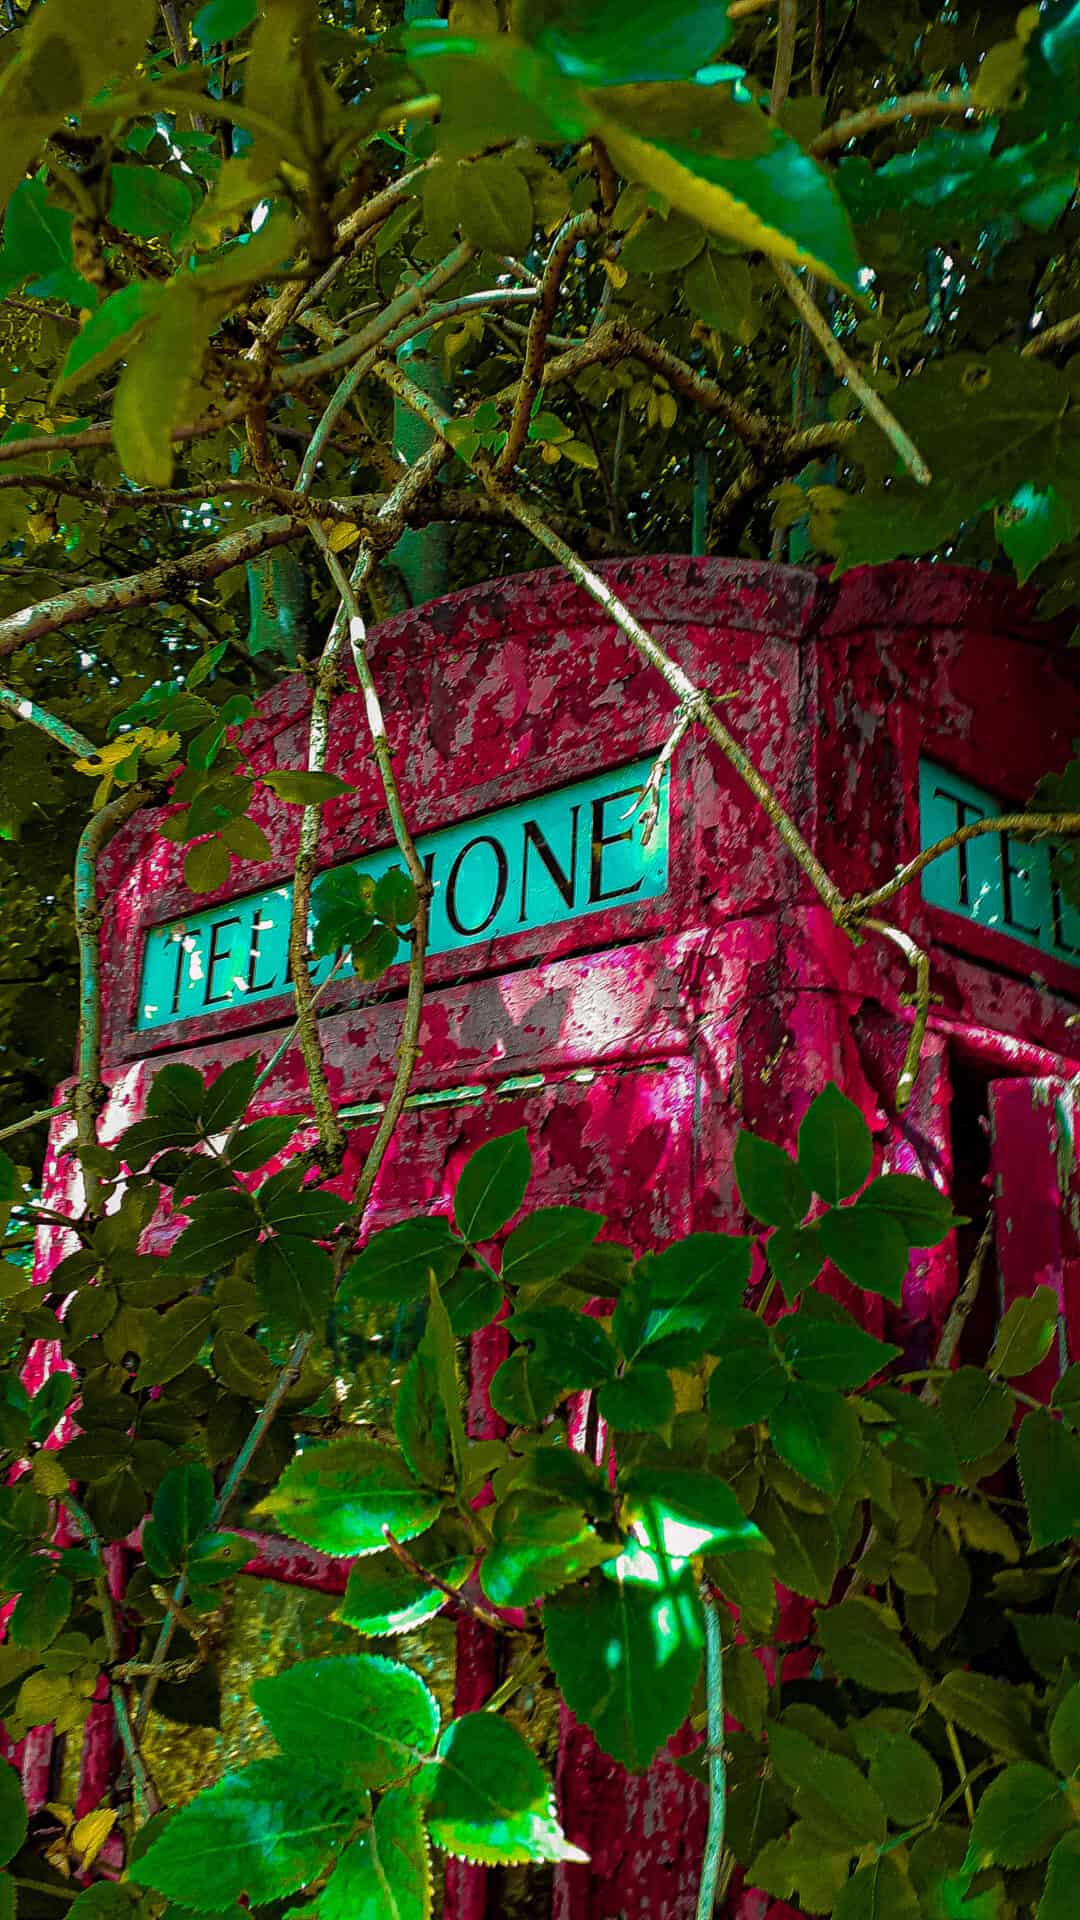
{"x":536,"y":864}
{"x":992,"y":880}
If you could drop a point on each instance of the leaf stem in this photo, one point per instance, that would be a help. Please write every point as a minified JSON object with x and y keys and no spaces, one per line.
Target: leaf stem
{"x":714,"y":1699}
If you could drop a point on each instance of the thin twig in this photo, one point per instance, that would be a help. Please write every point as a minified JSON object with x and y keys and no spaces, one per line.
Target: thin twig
{"x":36,"y":1119}
{"x":146,"y":1795}
{"x":459,"y":1600}
{"x":579,"y":227}
{"x":1030,"y":825}
{"x":911,"y":106}
{"x":964,"y":1301}
{"x":961,"y":1768}
{"x":786,"y":28}
{"x":647,"y":802}
{"x":920,"y":999}
{"x":846,"y":370}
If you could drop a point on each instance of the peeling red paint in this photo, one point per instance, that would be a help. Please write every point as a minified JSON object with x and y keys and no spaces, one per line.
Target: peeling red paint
{"x":657,"y":1028}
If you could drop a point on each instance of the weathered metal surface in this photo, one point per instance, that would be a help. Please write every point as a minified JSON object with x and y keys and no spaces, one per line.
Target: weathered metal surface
{"x":649,"y":1031}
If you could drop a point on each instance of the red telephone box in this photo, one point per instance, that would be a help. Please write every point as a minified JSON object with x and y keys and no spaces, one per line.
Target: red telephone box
{"x":632,"y":1010}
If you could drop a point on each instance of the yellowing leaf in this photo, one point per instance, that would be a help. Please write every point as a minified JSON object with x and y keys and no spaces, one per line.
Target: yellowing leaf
{"x":48,"y":1475}
{"x":341,"y":535}
{"x":91,"y":1833}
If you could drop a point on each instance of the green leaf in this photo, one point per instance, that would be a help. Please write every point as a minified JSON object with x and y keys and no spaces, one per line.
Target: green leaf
{"x":183,"y":1509}
{"x":932,"y":1617}
{"x":40,"y":1613}
{"x":796,"y":1257}
{"x":719,"y":290}
{"x":260,"y":1832}
{"x":178,"y":1338}
{"x":801,"y":1865}
{"x":153,"y":393}
{"x":523,"y":1392}
{"x":147,"y":202}
{"x":496,"y":207}
{"x":818,"y":1434}
{"x":222,"y":1226}
{"x":880,"y":1891}
{"x":641,"y":1400}
{"x":38,"y":248}
{"x":491,"y":1186}
{"x":1065,"y":1733}
{"x":615,"y":42}
{"x":305,"y":789}
{"x":870,"y":1248}
{"x":395,"y":1265}
{"x":1048,"y":1456}
{"x":472,"y":1299}
{"x":242,"y":1365}
{"x":626,"y":1651}
{"x":1026,"y":1334}
{"x":206,"y":865}
{"x":1047,"y":1639}
{"x":681,"y":1513}
{"x":491,"y":1801}
{"x":289,"y":1207}
{"x":772,"y":1187}
{"x":223,"y":20}
{"x":805,"y":1546}
{"x":859,"y":1643}
{"x":427,"y":1415}
{"x":1061,"y":1893}
{"x":571,"y":1347}
{"x":831,"y":1351}
{"x":395,"y":898}
{"x":924,"y":1215}
{"x":902,"y":1773}
{"x":368,"y":1720}
{"x":384,"y":1597}
{"x":386,"y":1874}
{"x":986,"y":1707}
{"x":916,"y":1437}
{"x":1066,"y":1395}
{"x":537,"y":1546}
{"x":1019,"y":1818}
{"x":835,"y":1148}
{"x":828,"y":1790}
{"x":662,"y":245}
{"x":339,"y":1497}
{"x":978,"y":1411}
{"x":13,"y":1814}
{"x":228,"y":1095}
{"x":1032,"y":525}
{"x":547,"y":1244}
{"x":295,"y":1279}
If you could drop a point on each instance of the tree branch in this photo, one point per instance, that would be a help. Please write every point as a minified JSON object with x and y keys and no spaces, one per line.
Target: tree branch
{"x":845,"y":368}
{"x":1037,"y":826}
{"x":786,"y":28}
{"x":1052,"y":338}
{"x":578,"y":227}
{"x":66,"y":736}
{"x":911,"y":106}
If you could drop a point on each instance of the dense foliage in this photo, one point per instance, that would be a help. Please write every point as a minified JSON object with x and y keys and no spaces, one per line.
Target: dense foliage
{"x":759,"y":280}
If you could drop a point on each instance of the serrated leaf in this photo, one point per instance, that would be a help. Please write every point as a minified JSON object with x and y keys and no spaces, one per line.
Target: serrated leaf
{"x":773,"y":1188}
{"x":835,"y":1148}
{"x":1019,"y":1818}
{"x":491,"y":1801}
{"x":1066,"y":1395}
{"x":295,"y":1279}
{"x":832,"y":1352}
{"x":978,"y":1411}
{"x":641,"y":1400}
{"x":818,"y":1434}
{"x":861,"y":1646}
{"x":1047,"y":1639}
{"x":260,"y":1832}
{"x":228,"y":1095}
{"x":491,"y":1186}
{"x":547,"y":1244}
{"x":796,"y":1257}
{"x":183,"y":1509}
{"x":1065,"y":1733}
{"x":177,"y":1340}
{"x":1048,"y":1457}
{"x":870,"y":1249}
{"x":805,"y":1546}
{"x":222,"y":1226}
{"x":383,"y":1596}
{"x":828,"y":1790}
{"x":1026,"y":1334}
{"x":40,"y":1613}
{"x":396,"y":1262}
{"x":427,"y":1415}
{"x":538,"y":1545}
{"x":679,"y":1513}
{"x":13,"y":1813}
{"x":570,"y":1346}
{"x":880,"y":1891}
{"x":607,"y":1641}
{"x":339,"y":1497}
{"x":924,"y":1215}
{"x":902,"y":1773}
{"x":386,"y":1874}
{"x":1061,"y":1893}
{"x":369,"y":1720}
{"x":916,"y":1437}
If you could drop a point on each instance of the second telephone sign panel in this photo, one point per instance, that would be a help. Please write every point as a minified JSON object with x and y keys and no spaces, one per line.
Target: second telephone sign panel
{"x":535,"y":864}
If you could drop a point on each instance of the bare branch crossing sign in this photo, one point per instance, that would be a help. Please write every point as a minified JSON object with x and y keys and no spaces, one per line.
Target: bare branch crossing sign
{"x":536,"y":864}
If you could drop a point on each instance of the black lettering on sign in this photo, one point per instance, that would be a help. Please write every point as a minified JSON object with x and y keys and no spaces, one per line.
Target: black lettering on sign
{"x":178,"y":976}
{"x":600,"y":840}
{"x":214,"y":958}
{"x":1010,"y":871}
{"x":502,"y":878}
{"x":252,"y":984}
{"x":564,"y":877}
{"x":1057,"y":909}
